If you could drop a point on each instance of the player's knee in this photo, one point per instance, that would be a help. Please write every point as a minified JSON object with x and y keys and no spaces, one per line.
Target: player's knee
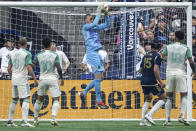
{"x":163,"y":97}
{"x":169,"y":98}
{"x":15,"y":100}
{"x":26,"y":100}
{"x":148,"y":98}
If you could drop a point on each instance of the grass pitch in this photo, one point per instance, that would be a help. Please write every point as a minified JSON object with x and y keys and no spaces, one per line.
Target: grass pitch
{"x":99,"y":126}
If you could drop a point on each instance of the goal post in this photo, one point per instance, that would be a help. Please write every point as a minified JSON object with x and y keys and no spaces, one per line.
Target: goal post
{"x":118,"y":85}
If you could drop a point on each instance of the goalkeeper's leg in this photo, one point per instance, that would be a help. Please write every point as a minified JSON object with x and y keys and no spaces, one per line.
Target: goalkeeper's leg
{"x":89,"y":87}
{"x":98,"y":80}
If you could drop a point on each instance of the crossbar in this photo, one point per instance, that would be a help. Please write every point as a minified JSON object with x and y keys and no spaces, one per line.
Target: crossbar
{"x":94,"y":4}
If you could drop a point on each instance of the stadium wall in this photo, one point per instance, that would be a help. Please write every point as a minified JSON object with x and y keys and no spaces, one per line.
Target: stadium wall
{"x":124,"y":98}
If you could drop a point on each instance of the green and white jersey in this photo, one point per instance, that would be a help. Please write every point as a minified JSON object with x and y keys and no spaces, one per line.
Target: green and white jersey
{"x":47,"y":60}
{"x":177,"y":54}
{"x":19,"y":60}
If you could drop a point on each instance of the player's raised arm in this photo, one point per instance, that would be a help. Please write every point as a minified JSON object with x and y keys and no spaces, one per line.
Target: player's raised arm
{"x":88,"y":20}
{"x":104,"y":25}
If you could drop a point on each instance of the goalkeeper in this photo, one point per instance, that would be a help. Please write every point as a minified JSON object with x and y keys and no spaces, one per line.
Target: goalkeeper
{"x":90,"y":32}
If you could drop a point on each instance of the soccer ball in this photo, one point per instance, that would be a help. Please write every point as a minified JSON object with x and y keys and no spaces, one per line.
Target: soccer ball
{"x":105,"y":8}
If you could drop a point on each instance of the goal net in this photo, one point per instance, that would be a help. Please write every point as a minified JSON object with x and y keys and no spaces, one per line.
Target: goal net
{"x":131,"y":25}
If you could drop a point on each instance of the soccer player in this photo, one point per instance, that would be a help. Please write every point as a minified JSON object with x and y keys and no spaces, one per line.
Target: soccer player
{"x":177,"y":53}
{"x":5,"y":55}
{"x":64,"y":62}
{"x":90,"y":32}
{"x":151,"y":82}
{"x":48,"y":63}
{"x":18,"y":67}
{"x":104,"y":57}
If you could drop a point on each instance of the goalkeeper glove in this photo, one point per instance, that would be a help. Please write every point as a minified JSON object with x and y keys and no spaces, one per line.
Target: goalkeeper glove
{"x":107,"y":13}
{"x":99,"y":9}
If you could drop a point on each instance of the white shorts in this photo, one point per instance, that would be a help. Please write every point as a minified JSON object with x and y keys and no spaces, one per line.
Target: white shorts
{"x":176,"y":82}
{"x":52,"y":85}
{"x":21,"y":91}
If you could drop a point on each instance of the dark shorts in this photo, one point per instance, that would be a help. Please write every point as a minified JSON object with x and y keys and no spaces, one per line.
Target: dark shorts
{"x":154,"y":89}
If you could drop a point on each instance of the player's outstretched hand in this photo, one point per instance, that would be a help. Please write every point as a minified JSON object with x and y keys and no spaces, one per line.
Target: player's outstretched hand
{"x":35,"y":83}
{"x":62,"y":82}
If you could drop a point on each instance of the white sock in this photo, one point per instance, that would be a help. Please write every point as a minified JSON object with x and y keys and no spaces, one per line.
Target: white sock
{"x":55,"y":108}
{"x":12,"y":109}
{"x":145,"y":109}
{"x":25,"y":109}
{"x":183,"y":106}
{"x":37,"y":108}
{"x":156,"y":107}
{"x":168,"y":106}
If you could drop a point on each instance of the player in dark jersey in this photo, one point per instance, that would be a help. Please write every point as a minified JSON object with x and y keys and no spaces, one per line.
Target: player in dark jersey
{"x":151,"y":82}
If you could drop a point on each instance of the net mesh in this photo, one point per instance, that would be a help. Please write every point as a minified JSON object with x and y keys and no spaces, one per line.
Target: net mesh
{"x":124,"y":42}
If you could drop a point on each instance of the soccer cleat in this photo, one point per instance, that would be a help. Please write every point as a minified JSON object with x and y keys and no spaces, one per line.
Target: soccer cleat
{"x":149,"y":119}
{"x":26,"y":124}
{"x":167,"y":123}
{"x":35,"y":123}
{"x":102,"y":105}
{"x":182,"y":120}
{"x":82,"y":97}
{"x":11,"y":124}
{"x":144,"y":123}
{"x":54,"y":123}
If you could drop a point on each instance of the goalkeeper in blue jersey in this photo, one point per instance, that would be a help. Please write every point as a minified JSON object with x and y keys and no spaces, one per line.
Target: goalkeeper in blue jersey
{"x":90,"y":32}
{"x":151,"y":83}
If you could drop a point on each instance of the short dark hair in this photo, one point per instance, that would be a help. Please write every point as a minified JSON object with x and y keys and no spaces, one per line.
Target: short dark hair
{"x":46,"y":42}
{"x":22,"y":41}
{"x":54,"y":41}
{"x":179,"y":35}
{"x":147,"y":43}
{"x":86,"y":16}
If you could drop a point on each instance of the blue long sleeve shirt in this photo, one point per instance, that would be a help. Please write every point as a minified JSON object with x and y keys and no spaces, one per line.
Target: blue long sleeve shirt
{"x":91,"y":34}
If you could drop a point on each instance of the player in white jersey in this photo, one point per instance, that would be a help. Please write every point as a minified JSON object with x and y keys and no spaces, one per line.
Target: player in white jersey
{"x":48,"y":62}
{"x":5,"y":55}
{"x":104,"y":57}
{"x":177,"y":53}
{"x":18,"y":67}
{"x":64,"y":61}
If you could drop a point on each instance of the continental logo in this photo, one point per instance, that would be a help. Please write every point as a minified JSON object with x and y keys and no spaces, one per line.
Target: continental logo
{"x":122,"y":96}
